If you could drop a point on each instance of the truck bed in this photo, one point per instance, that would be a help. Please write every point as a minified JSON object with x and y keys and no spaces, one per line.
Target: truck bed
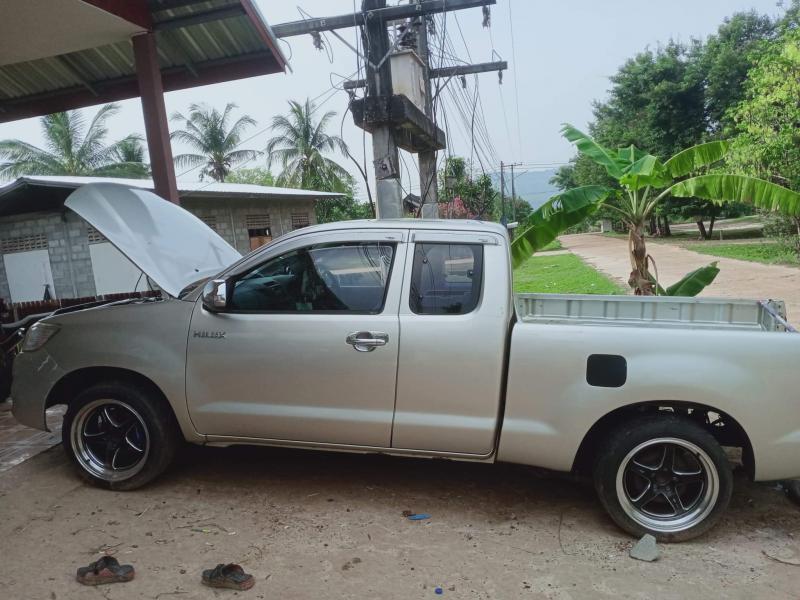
{"x":662,"y":311}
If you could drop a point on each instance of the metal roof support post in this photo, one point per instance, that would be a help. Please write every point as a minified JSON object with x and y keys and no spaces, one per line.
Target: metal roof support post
{"x":151,"y":91}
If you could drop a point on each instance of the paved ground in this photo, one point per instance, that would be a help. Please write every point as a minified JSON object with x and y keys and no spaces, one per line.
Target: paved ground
{"x":317,"y":526}
{"x":737,"y":278}
{"x":19,"y":443}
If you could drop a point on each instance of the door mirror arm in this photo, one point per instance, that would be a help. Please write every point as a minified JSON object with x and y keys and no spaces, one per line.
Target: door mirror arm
{"x":216,"y":295}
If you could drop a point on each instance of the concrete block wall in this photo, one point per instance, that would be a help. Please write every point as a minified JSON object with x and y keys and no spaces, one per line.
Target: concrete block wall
{"x":68,"y":243}
{"x":68,"y":248}
{"x":230,"y":216}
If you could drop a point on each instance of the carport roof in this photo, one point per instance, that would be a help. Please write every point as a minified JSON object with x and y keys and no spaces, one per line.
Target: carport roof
{"x":46,"y":193}
{"x":69,"y":54}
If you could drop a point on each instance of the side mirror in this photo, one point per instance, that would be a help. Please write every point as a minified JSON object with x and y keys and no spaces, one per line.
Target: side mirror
{"x":215,"y":295}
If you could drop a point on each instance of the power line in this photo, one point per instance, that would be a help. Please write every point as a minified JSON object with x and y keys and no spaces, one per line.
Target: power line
{"x":516,"y":84}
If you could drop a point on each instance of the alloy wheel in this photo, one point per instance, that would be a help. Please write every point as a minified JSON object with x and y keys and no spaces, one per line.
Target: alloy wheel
{"x":667,"y":485}
{"x":110,"y":439}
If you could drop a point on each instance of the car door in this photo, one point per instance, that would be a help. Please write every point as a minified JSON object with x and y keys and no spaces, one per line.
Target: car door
{"x":307,"y":349}
{"x":454,"y":317}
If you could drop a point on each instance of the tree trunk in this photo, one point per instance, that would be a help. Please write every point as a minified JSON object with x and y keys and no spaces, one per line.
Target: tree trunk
{"x":711,"y":226}
{"x":653,"y":226}
{"x":667,"y":231}
{"x":639,"y":279}
{"x":702,"y":228}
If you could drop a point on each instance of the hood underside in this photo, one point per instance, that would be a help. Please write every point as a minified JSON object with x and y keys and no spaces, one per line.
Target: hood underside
{"x":169,"y":244}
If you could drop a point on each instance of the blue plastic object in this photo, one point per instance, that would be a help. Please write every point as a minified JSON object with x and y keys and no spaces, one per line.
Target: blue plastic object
{"x":439,"y":591}
{"x":419,"y":517}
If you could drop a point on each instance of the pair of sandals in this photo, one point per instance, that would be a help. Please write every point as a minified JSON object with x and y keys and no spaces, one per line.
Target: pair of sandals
{"x":108,"y":570}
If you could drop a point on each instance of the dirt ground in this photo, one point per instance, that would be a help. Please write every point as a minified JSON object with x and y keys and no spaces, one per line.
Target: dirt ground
{"x":312,"y":525}
{"x":737,"y":278}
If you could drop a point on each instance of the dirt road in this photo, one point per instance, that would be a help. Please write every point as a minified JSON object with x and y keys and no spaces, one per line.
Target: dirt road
{"x":737,"y":278}
{"x":317,"y":526}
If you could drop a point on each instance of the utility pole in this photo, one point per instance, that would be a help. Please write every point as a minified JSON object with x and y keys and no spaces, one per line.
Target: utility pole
{"x":503,"y":219}
{"x":393,"y":119}
{"x":513,"y":196}
{"x":429,"y":192}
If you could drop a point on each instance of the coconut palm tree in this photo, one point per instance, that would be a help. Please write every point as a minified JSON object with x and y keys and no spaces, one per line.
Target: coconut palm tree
{"x":300,"y":147}
{"x":215,"y":140}
{"x":644,"y":181}
{"x":74,"y":148}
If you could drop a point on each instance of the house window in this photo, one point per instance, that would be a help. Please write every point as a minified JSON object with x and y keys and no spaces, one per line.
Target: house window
{"x":259,"y":230}
{"x":95,"y":237}
{"x":24,"y":243}
{"x":300,"y":220}
{"x":210,"y":221}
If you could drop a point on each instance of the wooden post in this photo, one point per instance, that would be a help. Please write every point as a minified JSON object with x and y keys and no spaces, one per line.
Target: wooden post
{"x":151,"y":91}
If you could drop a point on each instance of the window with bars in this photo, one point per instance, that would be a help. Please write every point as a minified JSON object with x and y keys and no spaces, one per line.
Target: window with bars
{"x":95,"y":237}
{"x":259,"y":230}
{"x":300,"y":220}
{"x":24,"y":243}
{"x":210,"y":221}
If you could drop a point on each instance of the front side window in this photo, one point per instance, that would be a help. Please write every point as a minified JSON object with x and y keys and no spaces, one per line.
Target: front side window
{"x":340,"y":277}
{"x":446,"y":278}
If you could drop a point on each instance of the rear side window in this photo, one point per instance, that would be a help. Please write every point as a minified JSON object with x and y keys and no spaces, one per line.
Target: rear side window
{"x":446,"y":279}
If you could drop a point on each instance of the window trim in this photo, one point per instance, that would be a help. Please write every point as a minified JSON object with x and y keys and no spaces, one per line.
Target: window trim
{"x":439,"y":242}
{"x":396,"y":246}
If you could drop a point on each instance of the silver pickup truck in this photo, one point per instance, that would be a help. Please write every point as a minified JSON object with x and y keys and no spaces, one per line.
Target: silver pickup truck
{"x":404,"y":337}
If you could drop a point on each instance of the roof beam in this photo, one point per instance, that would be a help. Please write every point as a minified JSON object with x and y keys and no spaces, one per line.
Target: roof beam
{"x":390,"y":13}
{"x":217,"y":14}
{"x":161,"y":5}
{"x":133,"y":11}
{"x":445,"y":72}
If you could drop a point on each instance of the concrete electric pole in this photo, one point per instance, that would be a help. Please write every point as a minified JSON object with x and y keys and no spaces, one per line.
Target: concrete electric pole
{"x":397,"y":118}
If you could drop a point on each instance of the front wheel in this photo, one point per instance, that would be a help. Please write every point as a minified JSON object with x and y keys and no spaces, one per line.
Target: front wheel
{"x":119,"y":435}
{"x":663,"y":475}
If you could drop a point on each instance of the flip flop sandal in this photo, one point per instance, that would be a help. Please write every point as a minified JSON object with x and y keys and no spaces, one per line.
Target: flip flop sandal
{"x":229,"y":576}
{"x":105,"y":570}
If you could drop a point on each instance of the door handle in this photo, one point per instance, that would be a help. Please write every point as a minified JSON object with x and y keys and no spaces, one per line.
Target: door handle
{"x":367,"y":341}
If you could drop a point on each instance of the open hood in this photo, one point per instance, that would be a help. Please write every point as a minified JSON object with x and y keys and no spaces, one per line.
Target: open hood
{"x":169,"y":244}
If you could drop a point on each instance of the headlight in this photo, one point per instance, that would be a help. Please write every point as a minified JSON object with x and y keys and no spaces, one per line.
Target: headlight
{"x":38,"y":335}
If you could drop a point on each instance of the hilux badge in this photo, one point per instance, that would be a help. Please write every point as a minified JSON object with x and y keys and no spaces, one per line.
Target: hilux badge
{"x":209,"y":334}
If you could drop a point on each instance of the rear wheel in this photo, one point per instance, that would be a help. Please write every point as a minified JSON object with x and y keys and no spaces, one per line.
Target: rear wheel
{"x":663,"y":475}
{"x":119,"y":435}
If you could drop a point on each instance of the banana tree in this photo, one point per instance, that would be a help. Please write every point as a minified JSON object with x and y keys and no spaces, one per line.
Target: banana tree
{"x":644,"y":181}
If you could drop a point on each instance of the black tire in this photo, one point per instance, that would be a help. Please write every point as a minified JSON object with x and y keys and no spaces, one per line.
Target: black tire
{"x":793,"y":490}
{"x":643,"y":495}
{"x":135,"y":424}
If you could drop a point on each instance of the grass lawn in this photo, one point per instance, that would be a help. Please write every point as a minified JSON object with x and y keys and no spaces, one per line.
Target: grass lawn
{"x":762,"y":252}
{"x":554,"y":245}
{"x":562,"y":274}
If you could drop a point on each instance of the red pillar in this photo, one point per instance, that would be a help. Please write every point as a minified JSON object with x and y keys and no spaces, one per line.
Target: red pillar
{"x":155,"y":116}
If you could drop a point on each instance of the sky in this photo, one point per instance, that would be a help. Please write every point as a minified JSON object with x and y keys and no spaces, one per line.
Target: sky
{"x":560,"y":54}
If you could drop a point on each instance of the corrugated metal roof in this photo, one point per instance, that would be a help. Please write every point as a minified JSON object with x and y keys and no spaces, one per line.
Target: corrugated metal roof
{"x":194,"y":188}
{"x":194,"y":41}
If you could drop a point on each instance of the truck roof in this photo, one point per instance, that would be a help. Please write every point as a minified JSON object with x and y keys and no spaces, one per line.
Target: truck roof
{"x":426,"y":224}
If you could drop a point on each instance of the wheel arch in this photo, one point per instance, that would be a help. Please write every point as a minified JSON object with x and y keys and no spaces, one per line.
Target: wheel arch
{"x":74,"y":382}
{"x":726,"y":430}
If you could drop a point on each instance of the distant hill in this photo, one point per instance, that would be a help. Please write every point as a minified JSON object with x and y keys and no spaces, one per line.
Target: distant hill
{"x":533,"y":186}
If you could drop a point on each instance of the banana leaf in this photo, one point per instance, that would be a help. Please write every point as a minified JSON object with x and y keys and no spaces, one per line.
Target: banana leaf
{"x":555,"y":216}
{"x":689,"y":160}
{"x":695,"y":282}
{"x":739,"y":188}
{"x":586,"y":145}
{"x":646,"y":171}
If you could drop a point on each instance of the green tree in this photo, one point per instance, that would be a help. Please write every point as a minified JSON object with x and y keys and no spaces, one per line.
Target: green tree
{"x":476,"y":197}
{"x":214,"y":139}
{"x":644,"y":182}
{"x":300,"y":147}
{"x":254,"y":176}
{"x":73,"y":147}
{"x":344,"y":208}
{"x":768,"y":120}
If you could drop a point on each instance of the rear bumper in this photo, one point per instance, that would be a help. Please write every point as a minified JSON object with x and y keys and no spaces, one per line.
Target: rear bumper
{"x":34,"y":375}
